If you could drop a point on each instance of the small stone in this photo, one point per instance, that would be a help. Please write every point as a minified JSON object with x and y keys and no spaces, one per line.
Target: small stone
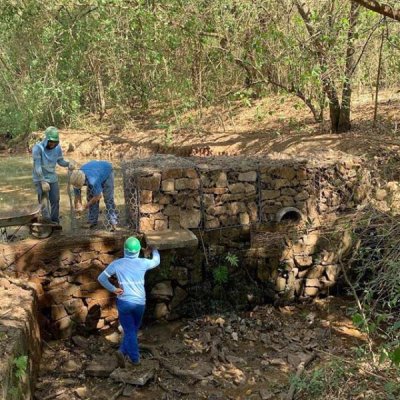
{"x":136,"y":375}
{"x":113,"y":338}
{"x":70,"y":366}
{"x":80,"y":341}
{"x":81,"y":392}
{"x":235,"y":336}
{"x":265,"y":394}
{"x":101,"y":367}
{"x":235,"y":360}
{"x":380,"y":194}
{"x":129,"y":391}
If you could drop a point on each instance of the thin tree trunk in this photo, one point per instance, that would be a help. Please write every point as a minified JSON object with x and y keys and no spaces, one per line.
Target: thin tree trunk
{"x":100,"y":88}
{"x":344,"y":123}
{"x":378,"y":77}
{"x":327,"y":85}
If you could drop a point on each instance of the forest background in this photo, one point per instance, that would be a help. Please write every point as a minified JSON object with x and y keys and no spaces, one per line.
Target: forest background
{"x":63,"y":60}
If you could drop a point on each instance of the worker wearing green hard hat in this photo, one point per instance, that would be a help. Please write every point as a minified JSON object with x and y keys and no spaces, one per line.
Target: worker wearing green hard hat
{"x":131,"y":295}
{"x":52,"y":135}
{"x":132,"y":245}
{"x":46,"y":155}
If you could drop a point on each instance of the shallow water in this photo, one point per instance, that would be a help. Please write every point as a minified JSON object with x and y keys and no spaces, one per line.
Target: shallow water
{"x":17,"y":192}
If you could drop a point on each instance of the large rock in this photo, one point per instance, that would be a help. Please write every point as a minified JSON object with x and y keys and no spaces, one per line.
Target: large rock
{"x":150,"y":208}
{"x":250,"y":176}
{"x":179,"y":295}
{"x":168,"y":185}
{"x":187,"y":183}
{"x":151,"y":183}
{"x":190,"y":218}
{"x":162,"y":290}
{"x":170,"y":239}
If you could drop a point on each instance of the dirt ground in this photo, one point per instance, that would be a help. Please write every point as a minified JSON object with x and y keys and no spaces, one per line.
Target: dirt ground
{"x":278,"y":126}
{"x":250,"y":355}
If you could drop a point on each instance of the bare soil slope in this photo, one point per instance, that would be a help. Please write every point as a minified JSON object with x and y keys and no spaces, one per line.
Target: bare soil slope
{"x":278,"y":126}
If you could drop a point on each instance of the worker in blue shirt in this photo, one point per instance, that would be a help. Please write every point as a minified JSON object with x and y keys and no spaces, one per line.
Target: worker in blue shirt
{"x":46,"y":155}
{"x":131,"y":296}
{"x":98,"y":176}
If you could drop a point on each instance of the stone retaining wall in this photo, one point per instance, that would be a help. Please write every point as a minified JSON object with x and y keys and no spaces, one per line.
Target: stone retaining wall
{"x":280,"y":219}
{"x":286,"y":211}
{"x":19,"y":341}
{"x":63,"y":270}
{"x":169,"y":192}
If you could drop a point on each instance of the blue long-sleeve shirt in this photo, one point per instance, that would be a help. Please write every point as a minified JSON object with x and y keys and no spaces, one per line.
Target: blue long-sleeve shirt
{"x":130,"y":271}
{"x":45,"y":161}
{"x":96,"y":173}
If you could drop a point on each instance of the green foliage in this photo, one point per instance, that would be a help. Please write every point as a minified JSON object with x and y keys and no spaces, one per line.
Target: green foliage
{"x":221,"y":272}
{"x":20,"y":364}
{"x":60,"y":60}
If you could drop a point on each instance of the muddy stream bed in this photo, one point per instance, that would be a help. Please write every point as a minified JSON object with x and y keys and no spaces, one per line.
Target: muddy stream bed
{"x":247,"y":355}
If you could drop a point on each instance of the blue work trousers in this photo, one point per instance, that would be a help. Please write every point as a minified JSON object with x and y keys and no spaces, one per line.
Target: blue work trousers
{"x":130,"y":317}
{"x":54,"y":199}
{"x":108,"y":194}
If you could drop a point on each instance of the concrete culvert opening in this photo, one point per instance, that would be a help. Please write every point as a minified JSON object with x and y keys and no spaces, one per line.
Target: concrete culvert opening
{"x":289,"y":214}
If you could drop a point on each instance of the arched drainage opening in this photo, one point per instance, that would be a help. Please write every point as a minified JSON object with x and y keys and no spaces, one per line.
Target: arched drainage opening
{"x":289,"y":214}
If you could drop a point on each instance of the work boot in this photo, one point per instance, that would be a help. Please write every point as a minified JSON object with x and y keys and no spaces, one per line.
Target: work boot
{"x":129,"y":362}
{"x":88,"y":225}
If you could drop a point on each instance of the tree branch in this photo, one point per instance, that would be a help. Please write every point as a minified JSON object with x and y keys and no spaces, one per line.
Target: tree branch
{"x":383,"y":9}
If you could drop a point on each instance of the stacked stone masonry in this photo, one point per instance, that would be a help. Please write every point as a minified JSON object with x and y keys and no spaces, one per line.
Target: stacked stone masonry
{"x":279,"y":218}
{"x":167,"y":192}
{"x":19,"y":340}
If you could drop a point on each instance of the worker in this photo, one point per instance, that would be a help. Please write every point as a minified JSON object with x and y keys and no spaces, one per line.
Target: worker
{"x":46,"y":155}
{"x":131,"y":296}
{"x":98,"y":176}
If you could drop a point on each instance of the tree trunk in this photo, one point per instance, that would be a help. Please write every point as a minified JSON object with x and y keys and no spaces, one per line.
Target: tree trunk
{"x":378,"y":77}
{"x":344,"y":123}
{"x":327,"y":85}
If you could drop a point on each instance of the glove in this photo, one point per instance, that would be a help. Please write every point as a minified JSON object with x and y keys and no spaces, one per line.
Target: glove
{"x":72,"y":165}
{"x":79,"y":208}
{"x":45,"y":187}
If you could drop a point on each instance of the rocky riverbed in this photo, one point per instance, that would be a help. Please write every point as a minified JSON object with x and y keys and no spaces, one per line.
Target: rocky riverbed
{"x":249,"y":355}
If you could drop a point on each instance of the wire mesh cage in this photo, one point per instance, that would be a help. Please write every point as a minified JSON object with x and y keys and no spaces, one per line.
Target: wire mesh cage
{"x":167,"y":192}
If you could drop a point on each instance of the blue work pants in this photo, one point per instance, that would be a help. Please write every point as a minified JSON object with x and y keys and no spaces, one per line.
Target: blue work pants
{"x":130,"y":317}
{"x":108,"y":194}
{"x":54,"y":199}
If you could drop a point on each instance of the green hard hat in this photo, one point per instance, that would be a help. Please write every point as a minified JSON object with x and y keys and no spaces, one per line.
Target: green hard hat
{"x":132,"y":245}
{"x":51,"y":133}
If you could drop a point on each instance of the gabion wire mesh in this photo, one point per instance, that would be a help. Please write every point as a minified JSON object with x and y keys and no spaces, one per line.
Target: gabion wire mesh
{"x":214,"y":193}
{"x":223,"y":192}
